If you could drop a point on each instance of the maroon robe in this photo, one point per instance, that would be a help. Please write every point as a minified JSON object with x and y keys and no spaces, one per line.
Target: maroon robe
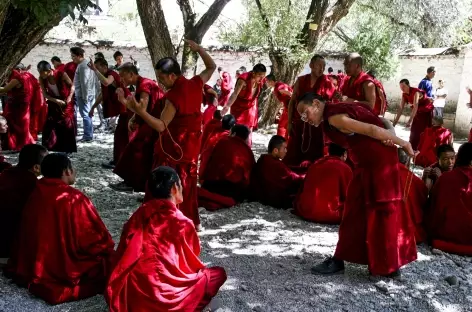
{"x":353,"y":88}
{"x":208,"y":101}
{"x":212,"y":133}
{"x":226,"y":86}
{"x":430,"y":140}
{"x":285,"y":100}
{"x":244,"y":109}
{"x":424,"y":115}
{"x":38,"y":107}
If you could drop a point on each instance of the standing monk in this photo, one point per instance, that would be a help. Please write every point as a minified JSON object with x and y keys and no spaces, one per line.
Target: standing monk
{"x":56,"y":62}
{"x":283,"y":93}
{"x":180,"y":125}
{"x":226,"y":86}
{"x":306,"y":142}
{"x":379,"y":92}
{"x":243,"y":101}
{"x":376,"y":228}
{"x":421,"y":114}
{"x":210,"y":101}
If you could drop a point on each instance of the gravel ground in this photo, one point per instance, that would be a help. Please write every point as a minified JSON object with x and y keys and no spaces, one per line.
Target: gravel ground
{"x":268,"y":254}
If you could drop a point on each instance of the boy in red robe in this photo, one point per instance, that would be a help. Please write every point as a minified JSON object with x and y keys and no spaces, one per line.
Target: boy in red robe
{"x":323,"y":194}
{"x":226,"y":86}
{"x":272,"y":182}
{"x":209,"y":100}
{"x":180,"y":125}
{"x":63,"y":248}
{"x":376,"y":228}
{"x":421,"y":114}
{"x":112,"y":107}
{"x":449,"y":219}
{"x":283,"y":93}
{"x":430,"y":140}
{"x":446,"y":158}
{"x":16,"y":185}
{"x":158,"y":268}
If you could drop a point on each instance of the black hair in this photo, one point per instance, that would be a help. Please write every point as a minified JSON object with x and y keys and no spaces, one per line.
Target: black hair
{"x":431,"y":69}
{"x":270,"y":77}
{"x":128,"y":67}
{"x":405,"y":81}
{"x":44,"y":66}
{"x":444,"y":149}
{"x":243,"y":69}
{"x":217,"y":115}
{"x":464,"y":155}
{"x":275,"y":142}
{"x":402,"y":156}
{"x":228,"y":122}
{"x":220,"y":68}
{"x":116,"y":54}
{"x":309,"y":97}
{"x":438,"y":119}
{"x":101,"y":62}
{"x":30,"y":155}
{"x":336,"y":150}
{"x":168,"y":65}
{"x":330,"y":70}
{"x":77,"y":51}
{"x":55,"y":59}
{"x":161,"y":181}
{"x":371,"y":73}
{"x":54,"y":164}
{"x":259,"y":68}
{"x":240,"y":131}
{"x":340,"y":71}
{"x":99,"y":55}
{"x":316,"y":57}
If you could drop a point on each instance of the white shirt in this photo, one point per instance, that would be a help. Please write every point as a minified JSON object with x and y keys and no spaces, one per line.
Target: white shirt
{"x":440,"y":102}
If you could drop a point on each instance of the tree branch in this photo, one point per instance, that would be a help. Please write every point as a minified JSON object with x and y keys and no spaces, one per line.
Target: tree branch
{"x":210,"y":17}
{"x":270,"y":39}
{"x":187,"y":13}
{"x":3,"y":11}
{"x":341,"y":34}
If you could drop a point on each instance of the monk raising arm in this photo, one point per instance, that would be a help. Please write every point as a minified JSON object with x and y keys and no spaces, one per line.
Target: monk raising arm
{"x":240,"y":84}
{"x":106,"y":81}
{"x":291,"y":105}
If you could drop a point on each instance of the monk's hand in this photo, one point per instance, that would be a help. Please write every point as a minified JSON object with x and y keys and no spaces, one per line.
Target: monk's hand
{"x":469,"y":90}
{"x":427,"y":172}
{"x":338,"y":95}
{"x":134,"y":105}
{"x":408,"y":124}
{"x":60,"y":102}
{"x":437,"y":172}
{"x":92,"y":111}
{"x":224,"y":110}
{"x":388,"y":143}
{"x":406,"y":146}
{"x":193,"y":45}
{"x":91,"y":65}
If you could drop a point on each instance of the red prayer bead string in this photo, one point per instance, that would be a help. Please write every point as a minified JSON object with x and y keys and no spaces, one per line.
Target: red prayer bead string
{"x":303,"y":139}
{"x":172,"y":139}
{"x":409,"y":178}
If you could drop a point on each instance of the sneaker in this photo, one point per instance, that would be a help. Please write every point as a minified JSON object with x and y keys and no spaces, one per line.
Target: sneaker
{"x":329,"y":267}
{"x":109,"y":165}
{"x":83,"y":140}
{"x":121,"y":187}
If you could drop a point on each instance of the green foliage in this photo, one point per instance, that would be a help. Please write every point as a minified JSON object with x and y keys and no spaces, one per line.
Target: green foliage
{"x":464,"y":33}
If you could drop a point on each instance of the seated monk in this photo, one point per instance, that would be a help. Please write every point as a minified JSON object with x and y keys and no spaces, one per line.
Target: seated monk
{"x":229,"y":166}
{"x":16,"y":185}
{"x":416,"y":194}
{"x":272,"y":181}
{"x":158,"y":268}
{"x":323,"y":194}
{"x":3,"y":130}
{"x":449,"y":218}
{"x":445,"y":162}
{"x":63,"y":248}
{"x":430,"y":139}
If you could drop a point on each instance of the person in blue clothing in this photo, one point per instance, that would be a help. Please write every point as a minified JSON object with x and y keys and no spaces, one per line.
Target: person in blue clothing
{"x":426,"y":84}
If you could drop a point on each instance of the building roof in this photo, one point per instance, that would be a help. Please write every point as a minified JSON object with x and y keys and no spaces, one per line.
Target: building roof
{"x":429,"y":51}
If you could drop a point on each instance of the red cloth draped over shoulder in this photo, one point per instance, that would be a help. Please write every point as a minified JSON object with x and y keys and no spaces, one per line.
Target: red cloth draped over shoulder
{"x":158,"y":268}
{"x":449,"y":218}
{"x":64,"y":249}
{"x":38,"y":107}
{"x":70,"y":69}
{"x":226,"y":86}
{"x":111,"y":105}
{"x":244,"y":109}
{"x":285,"y":100}
{"x":424,"y":115}
{"x":273,"y":183}
{"x":430,"y":140}
{"x":16,"y":185}
{"x":4,"y":164}
{"x":416,"y":201}
{"x":376,"y":228}
{"x":135,"y":163}
{"x":353,"y":87}
{"x":381,"y":102}
{"x":324,"y":191}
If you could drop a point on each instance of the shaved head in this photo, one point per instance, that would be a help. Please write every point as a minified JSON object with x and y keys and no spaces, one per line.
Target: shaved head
{"x":353,"y":64}
{"x":355,"y":58}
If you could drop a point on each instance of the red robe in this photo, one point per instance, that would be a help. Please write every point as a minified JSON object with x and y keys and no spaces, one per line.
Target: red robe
{"x":376,"y":228}
{"x":212,"y":133}
{"x":208,"y":101}
{"x":353,"y":88}
{"x":424,"y":115}
{"x":59,"y":129}
{"x":244,"y":109}
{"x":226,"y":86}
{"x":449,"y":219}
{"x":306,"y":143}
{"x":3,"y":164}
{"x":158,"y":267}
{"x":70,"y":69}
{"x":285,"y":100}
{"x":135,"y":163}
{"x":416,"y":201}
{"x":38,"y":107}
{"x":17,"y":114}
{"x":430,"y":140}
{"x":273,"y":183}
{"x":186,"y":131}
{"x":64,"y":249}
{"x":16,"y":185}
{"x":380,"y":105}
{"x":323,"y":194}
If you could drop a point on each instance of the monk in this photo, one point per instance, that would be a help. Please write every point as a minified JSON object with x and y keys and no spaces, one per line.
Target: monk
{"x":243,"y":102}
{"x":449,"y":219}
{"x":3,"y":130}
{"x":180,"y":125}
{"x":135,"y":162}
{"x":210,"y":101}
{"x":16,"y":185}
{"x":226,"y":86}
{"x":446,"y":158}
{"x":415,"y":196}
{"x":64,"y":249}
{"x":323,"y":195}
{"x":112,"y":107}
{"x":376,"y":228}
{"x":17,"y":111}
{"x":421,"y":113}
{"x":158,"y":268}
{"x":379,"y":92}
{"x":430,"y":139}
{"x":283,"y":93}
{"x":58,"y":89}
{"x":56,"y":62}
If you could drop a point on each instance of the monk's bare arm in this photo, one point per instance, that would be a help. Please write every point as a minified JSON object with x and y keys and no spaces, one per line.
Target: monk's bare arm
{"x":370,"y":94}
{"x":399,"y":112}
{"x":286,"y":92}
{"x":210,"y":65}
{"x":106,"y":81}
{"x":451,"y":139}
{"x":160,"y":124}
{"x":240,"y":84}
{"x":68,"y":82}
{"x":212,"y":92}
{"x":291,"y":105}
{"x":12,"y":84}
{"x":97,"y":102}
{"x":47,"y":96}
{"x":415,"y":108}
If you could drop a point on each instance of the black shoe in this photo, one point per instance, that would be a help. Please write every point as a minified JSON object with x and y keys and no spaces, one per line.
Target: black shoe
{"x":329,"y":267}
{"x":85,"y":141}
{"x":121,"y":187}
{"x":109,"y":165}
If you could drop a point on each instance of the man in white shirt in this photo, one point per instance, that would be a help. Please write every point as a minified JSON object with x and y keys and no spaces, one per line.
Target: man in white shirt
{"x":440,"y":99}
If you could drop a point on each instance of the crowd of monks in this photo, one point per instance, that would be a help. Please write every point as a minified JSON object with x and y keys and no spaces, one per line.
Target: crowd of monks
{"x":334,"y":160}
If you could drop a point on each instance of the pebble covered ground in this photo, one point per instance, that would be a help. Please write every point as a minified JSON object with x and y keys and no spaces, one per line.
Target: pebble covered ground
{"x":268,"y":254}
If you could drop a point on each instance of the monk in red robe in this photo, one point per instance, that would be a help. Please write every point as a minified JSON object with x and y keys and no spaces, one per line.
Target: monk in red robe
{"x":421,"y":114}
{"x":58,"y":89}
{"x":228,"y":171}
{"x":306,"y":142}
{"x":380,"y":93}
{"x":3,"y":130}
{"x":243,"y":103}
{"x":226,"y":86}
{"x":430,"y":140}
{"x":209,"y":100}
{"x":63,"y":249}
{"x":283,"y":93}
{"x":16,"y":185}
{"x":446,"y":158}
{"x":449,"y":219}
{"x":17,"y":111}
{"x":136,"y":160}
{"x":376,"y":228}
{"x":415,"y":196}
{"x":179,"y":125}
{"x":272,"y":182}
{"x":323,"y":194}
{"x":112,"y":107}
{"x":158,"y":268}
